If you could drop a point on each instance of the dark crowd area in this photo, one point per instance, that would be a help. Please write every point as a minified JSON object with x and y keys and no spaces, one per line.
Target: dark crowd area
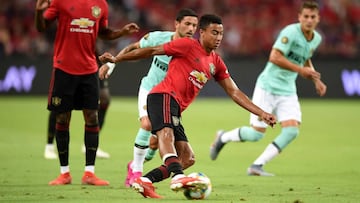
{"x":251,"y":26}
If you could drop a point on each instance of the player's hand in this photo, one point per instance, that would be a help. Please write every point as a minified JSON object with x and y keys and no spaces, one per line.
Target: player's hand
{"x":268,"y":118}
{"x":103,"y":72}
{"x":42,"y":4}
{"x":309,"y":73}
{"x":107,"y":57}
{"x":320,"y":88}
{"x":130,"y":29}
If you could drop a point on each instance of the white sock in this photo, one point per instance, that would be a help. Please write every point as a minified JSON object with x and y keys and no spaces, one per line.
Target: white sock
{"x":139,"y":157}
{"x":269,"y":153}
{"x":145,"y":179}
{"x":178,"y":176}
{"x":64,"y":169}
{"x":90,"y":169}
{"x":231,"y":136}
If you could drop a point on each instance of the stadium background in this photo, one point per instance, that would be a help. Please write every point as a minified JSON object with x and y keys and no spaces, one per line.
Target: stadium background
{"x":250,"y":29}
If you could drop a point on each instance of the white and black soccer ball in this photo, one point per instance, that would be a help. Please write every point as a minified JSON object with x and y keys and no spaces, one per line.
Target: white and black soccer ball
{"x":201,"y":193}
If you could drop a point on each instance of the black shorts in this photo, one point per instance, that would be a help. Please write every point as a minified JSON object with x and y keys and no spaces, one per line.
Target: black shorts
{"x":164,"y":111}
{"x":68,"y":92}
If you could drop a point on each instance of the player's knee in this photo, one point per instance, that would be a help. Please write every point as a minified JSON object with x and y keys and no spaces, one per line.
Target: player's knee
{"x":62,"y":118}
{"x":91,"y":117}
{"x":145,"y":124}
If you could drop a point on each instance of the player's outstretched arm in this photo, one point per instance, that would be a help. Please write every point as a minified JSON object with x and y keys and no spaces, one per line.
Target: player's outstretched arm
{"x":241,"y":99}
{"x":133,"y":55}
{"x":107,"y":68}
{"x":107,"y":33}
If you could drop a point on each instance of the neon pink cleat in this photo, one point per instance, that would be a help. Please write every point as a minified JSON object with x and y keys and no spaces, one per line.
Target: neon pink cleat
{"x":134,"y":176}
{"x":129,"y":174}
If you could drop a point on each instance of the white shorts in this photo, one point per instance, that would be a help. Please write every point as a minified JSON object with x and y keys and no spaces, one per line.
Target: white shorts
{"x":142,"y":97}
{"x":283,"y":107}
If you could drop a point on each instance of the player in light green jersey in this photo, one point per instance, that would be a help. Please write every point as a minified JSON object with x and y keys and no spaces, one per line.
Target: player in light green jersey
{"x":275,"y":89}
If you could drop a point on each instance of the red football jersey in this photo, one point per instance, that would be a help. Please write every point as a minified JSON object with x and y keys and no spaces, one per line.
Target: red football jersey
{"x":189,"y":70}
{"x":78,"y":23}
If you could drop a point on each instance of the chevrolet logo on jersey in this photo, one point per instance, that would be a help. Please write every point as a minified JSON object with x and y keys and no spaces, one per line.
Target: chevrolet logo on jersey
{"x":83,"y":22}
{"x":198,"y":78}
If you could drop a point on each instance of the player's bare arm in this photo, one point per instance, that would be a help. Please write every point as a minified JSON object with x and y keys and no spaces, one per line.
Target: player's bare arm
{"x":241,"y":99}
{"x":278,"y":58}
{"x":107,"y":68}
{"x":110,"y":34}
{"x":319,"y":85}
{"x":40,"y":23}
{"x":130,"y":47}
{"x":133,"y":55}
{"x":104,"y":71}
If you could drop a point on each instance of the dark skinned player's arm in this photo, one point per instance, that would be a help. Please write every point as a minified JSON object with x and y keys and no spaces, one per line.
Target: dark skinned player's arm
{"x":140,"y":53}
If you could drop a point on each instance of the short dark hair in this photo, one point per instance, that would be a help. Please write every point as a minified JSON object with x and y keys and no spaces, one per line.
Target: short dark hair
{"x":208,"y":19}
{"x":309,"y":4}
{"x":185,"y":12}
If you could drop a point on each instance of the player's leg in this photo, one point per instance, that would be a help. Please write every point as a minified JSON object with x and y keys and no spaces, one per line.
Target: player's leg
{"x":135,"y":166}
{"x":185,"y":152}
{"x":87,"y":100}
{"x":165,"y":115}
{"x":244,"y":133}
{"x":61,"y":101}
{"x":289,"y":116}
{"x":155,"y":108}
{"x":50,"y":151}
{"x":105,"y":98}
{"x":153,"y":146}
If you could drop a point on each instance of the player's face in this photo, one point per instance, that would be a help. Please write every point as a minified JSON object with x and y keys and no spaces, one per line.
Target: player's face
{"x":212,"y":36}
{"x":309,"y":18}
{"x":187,"y":26}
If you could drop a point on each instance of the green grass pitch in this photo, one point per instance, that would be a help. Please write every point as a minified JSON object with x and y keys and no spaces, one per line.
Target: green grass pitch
{"x":321,"y":165}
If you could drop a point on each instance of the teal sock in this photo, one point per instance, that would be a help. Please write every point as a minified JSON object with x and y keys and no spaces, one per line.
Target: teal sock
{"x":142,"y":138}
{"x":287,"y":135}
{"x":249,"y":134}
{"x":150,"y":154}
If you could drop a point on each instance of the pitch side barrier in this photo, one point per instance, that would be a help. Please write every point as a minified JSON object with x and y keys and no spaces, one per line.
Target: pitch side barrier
{"x":25,"y":76}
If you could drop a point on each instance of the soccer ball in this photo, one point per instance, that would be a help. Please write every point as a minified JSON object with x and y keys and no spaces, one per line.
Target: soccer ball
{"x":202,"y":193}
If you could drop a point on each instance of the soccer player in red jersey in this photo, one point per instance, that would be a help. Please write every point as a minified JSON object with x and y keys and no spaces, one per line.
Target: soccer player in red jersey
{"x":193,"y":63}
{"x":75,"y":83}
